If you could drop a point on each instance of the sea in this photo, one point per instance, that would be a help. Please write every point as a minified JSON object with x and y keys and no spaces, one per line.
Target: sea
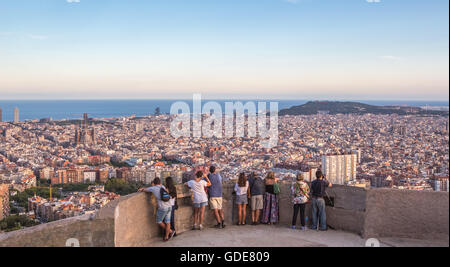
{"x":74,"y":109}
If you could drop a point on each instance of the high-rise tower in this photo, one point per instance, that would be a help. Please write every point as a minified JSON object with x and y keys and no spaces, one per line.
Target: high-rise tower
{"x":16,"y":115}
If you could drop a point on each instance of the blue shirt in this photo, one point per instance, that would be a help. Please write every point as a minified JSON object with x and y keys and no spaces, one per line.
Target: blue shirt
{"x":215,"y":190}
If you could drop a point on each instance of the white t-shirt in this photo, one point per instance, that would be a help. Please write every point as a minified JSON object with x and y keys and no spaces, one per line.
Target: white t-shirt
{"x":240,"y":191}
{"x":198,"y":188}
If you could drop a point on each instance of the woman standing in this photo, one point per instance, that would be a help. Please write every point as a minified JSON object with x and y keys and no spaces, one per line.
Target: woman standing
{"x":300,"y":193}
{"x":270,"y":211}
{"x":242,"y":190}
{"x":172,"y":190}
{"x":200,"y":200}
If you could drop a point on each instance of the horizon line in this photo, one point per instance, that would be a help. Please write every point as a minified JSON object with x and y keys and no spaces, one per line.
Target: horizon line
{"x":221,"y":98}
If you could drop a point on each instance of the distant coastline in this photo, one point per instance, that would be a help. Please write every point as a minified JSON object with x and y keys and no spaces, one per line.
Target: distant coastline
{"x":73,"y":109}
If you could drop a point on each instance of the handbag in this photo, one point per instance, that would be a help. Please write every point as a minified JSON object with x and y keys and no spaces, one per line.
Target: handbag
{"x":276,"y":189}
{"x":305,"y":195}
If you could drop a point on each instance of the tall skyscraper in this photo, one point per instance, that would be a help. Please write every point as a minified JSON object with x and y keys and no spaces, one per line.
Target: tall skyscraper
{"x":340,"y":169}
{"x":440,"y":184}
{"x":16,"y":115}
{"x":1,"y":115}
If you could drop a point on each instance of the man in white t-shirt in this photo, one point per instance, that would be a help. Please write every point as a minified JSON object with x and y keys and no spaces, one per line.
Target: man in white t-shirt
{"x":198,"y":187}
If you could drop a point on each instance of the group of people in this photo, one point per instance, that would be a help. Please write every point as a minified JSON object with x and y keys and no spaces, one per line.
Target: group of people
{"x":263,"y":195}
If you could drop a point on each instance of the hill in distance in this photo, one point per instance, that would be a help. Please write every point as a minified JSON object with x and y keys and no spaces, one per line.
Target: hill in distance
{"x":333,"y":108}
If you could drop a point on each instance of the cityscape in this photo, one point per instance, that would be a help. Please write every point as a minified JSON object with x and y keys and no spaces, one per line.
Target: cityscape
{"x":369,"y":151}
{"x":251,"y":124}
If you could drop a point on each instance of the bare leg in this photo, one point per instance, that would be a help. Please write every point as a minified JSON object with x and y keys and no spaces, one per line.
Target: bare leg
{"x":244,"y":213}
{"x":201,"y":215}
{"x":222,"y":215}
{"x":239,"y":214}
{"x":257,"y":215}
{"x":168,"y":231}
{"x":217,"y":214}
{"x":196,"y":212}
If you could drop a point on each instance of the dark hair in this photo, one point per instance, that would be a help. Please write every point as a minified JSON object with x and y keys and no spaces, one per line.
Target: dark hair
{"x":170,"y":184}
{"x":157,"y":181}
{"x":199,"y":174}
{"x":212,"y":169}
{"x":319,"y":174}
{"x":242,"y":182}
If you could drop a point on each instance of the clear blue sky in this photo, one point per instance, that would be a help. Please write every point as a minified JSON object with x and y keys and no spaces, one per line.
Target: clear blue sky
{"x":323,"y":49}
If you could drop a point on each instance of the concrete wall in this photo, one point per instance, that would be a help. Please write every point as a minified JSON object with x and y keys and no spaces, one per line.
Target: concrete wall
{"x":130,"y":220}
{"x":409,"y":214}
{"x":90,"y":233}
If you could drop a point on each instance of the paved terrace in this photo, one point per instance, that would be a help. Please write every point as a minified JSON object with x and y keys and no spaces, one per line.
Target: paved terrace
{"x":275,"y":236}
{"x":395,"y":217}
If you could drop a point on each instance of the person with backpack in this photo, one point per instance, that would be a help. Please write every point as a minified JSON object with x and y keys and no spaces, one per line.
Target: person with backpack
{"x":215,"y":196}
{"x":198,"y":187}
{"x":300,"y":196}
{"x":318,"y":193}
{"x":257,"y":188}
{"x":163,"y":213}
{"x":271,"y":209}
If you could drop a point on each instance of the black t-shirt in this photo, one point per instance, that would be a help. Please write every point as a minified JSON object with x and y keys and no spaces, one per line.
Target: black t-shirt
{"x":270,"y":189}
{"x":318,"y":187}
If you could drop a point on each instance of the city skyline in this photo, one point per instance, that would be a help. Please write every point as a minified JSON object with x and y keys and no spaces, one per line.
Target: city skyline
{"x":224,"y":49}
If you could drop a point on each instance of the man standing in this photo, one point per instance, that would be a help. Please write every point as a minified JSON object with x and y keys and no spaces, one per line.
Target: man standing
{"x":215,"y":196}
{"x":318,"y":188}
{"x":163,"y":214}
{"x":257,"y":201}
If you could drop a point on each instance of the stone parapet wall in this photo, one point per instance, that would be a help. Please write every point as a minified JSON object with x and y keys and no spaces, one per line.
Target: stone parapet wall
{"x":130,"y":220}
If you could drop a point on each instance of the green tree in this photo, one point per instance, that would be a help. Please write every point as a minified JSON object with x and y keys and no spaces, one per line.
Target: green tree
{"x":122,"y":187}
{"x":16,"y":222}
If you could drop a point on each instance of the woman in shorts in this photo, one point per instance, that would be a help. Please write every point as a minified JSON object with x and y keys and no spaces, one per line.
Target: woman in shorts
{"x":242,"y":190}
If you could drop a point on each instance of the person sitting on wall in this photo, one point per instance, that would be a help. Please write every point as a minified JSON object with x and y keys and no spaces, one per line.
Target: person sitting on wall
{"x":318,"y":188}
{"x":163,"y":214}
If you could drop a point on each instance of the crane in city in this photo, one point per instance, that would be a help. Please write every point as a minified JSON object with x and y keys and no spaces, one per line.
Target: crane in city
{"x":50,"y":190}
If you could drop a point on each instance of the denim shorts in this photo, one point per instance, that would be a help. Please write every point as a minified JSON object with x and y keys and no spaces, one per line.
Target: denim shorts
{"x":242,"y":199}
{"x":200,"y":205}
{"x":163,"y":216}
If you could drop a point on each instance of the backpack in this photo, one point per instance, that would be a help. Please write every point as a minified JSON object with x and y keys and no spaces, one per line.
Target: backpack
{"x":164,"y":195}
{"x":276,"y":189}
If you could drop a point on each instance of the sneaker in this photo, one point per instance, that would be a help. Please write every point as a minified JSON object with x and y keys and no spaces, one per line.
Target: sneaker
{"x":173,"y":234}
{"x":223,"y":225}
{"x":218,"y":226}
{"x":194,"y":227}
{"x":304,"y":228}
{"x":200,"y":227}
{"x":293,"y":227}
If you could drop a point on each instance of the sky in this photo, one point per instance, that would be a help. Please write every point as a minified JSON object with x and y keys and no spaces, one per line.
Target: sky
{"x":250,"y":49}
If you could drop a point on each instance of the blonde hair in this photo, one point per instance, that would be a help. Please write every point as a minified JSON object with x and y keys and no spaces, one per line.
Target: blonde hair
{"x":300,"y":176}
